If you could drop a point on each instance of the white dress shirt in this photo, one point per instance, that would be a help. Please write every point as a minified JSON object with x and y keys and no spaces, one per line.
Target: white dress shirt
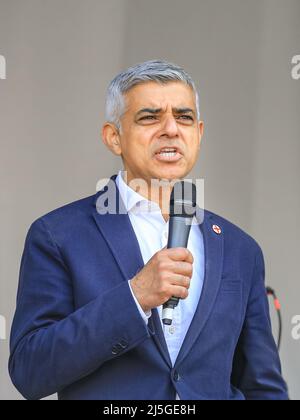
{"x":152,"y":231}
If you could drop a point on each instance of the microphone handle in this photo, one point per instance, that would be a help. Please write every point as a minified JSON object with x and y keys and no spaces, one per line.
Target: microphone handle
{"x":179,"y":230}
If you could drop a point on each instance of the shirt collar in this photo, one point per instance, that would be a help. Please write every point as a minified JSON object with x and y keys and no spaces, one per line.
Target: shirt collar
{"x":131,"y":198}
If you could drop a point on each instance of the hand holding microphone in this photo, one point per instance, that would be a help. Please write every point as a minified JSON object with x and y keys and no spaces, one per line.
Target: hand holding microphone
{"x":182,"y":210}
{"x":168,"y":273}
{"x":166,"y":277}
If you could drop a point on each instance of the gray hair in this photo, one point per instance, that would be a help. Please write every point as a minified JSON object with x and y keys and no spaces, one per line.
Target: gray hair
{"x":150,"y":71}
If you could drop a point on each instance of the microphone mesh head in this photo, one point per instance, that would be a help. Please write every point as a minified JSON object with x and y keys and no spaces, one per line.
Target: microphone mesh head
{"x":183,"y":199}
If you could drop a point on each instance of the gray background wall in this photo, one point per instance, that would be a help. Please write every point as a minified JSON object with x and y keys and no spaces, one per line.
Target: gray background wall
{"x":61,"y":54}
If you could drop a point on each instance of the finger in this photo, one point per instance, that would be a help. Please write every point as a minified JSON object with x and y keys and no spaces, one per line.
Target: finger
{"x":190,"y":258}
{"x":180,"y":280}
{"x":180,"y":292}
{"x":182,"y":267}
{"x":180,"y":254}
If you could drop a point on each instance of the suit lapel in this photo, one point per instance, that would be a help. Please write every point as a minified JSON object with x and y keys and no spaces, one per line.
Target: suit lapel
{"x":159,"y":336}
{"x":118,"y":233}
{"x":122,"y":241}
{"x":213,"y":249}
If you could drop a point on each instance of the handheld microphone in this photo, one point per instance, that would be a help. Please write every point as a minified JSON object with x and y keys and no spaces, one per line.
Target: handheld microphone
{"x":182,"y":211}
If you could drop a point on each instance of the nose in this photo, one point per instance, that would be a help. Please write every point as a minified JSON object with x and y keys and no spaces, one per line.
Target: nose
{"x":169,"y":126}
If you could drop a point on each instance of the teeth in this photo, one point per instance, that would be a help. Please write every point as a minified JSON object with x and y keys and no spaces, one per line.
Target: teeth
{"x":168,"y":154}
{"x":168,"y":151}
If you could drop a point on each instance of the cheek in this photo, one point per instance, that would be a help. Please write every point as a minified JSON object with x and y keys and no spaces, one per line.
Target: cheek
{"x":192,"y":150}
{"x":138,"y":140}
{"x":136,"y":153}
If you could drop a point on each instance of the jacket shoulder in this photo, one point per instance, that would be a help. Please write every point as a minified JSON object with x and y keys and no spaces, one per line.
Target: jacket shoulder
{"x":233,"y":232}
{"x":68,"y":214}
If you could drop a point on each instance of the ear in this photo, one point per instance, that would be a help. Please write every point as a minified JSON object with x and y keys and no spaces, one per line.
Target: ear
{"x":111,"y":138}
{"x":201,"y":131}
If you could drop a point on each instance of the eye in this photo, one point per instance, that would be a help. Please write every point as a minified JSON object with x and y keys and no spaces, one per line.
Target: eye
{"x":148,"y":117}
{"x":186,"y":117}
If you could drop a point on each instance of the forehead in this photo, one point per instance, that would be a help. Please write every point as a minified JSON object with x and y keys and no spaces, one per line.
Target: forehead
{"x":156,"y":95}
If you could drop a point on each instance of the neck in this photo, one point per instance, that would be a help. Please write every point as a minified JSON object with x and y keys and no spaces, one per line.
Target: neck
{"x":158,"y":191}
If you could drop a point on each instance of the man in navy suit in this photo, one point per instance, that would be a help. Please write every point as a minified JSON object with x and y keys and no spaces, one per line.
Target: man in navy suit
{"x":93,"y":280}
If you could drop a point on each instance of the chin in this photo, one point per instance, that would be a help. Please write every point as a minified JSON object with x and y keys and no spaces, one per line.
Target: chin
{"x":171,"y":173}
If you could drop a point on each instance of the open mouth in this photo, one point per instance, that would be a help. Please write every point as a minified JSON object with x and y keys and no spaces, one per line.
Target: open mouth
{"x":168,"y":154}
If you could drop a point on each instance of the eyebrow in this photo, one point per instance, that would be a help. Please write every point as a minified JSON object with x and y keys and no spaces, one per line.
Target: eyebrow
{"x":158,"y":110}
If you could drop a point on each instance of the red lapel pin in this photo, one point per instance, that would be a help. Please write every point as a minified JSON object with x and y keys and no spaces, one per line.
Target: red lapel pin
{"x":217,"y":229}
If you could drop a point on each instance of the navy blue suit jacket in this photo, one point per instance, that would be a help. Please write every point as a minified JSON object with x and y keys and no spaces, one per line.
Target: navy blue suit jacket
{"x":77,"y":330}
